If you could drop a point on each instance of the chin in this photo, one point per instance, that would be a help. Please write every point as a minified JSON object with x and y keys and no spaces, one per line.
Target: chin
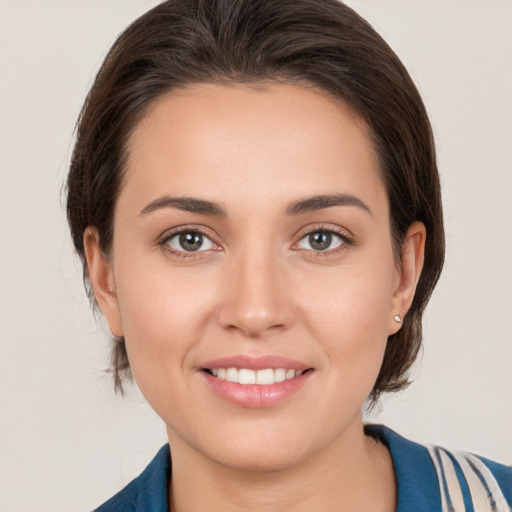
{"x":257,"y":446}
{"x":259,"y":459}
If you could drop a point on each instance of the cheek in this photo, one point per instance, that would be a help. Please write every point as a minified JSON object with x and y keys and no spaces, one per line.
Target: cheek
{"x":164,"y":315}
{"x":349,"y":316}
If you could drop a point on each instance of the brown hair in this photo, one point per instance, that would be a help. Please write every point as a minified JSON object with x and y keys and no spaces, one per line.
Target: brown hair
{"x":317,"y":42}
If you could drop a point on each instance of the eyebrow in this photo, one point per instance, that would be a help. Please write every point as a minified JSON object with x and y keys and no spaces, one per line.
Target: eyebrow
{"x":188,"y":204}
{"x":320,"y":202}
{"x":204,"y":207}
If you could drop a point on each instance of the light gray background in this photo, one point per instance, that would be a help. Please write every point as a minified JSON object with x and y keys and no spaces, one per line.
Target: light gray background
{"x":66,"y":442}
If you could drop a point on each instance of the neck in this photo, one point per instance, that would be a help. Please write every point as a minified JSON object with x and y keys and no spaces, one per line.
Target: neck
{"x":353,"y":473}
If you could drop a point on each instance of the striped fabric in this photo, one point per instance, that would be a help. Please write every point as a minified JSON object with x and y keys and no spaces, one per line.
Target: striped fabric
{"x":466,"y":484}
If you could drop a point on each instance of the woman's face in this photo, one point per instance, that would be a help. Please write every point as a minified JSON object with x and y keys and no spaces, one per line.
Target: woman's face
{"x":252,"y":243}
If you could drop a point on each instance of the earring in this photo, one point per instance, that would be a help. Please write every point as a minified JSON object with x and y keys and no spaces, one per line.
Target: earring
{"x":397,"y":318}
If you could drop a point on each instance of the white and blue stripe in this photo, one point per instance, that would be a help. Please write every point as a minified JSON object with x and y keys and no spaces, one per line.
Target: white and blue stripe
{"x":466,"y":483}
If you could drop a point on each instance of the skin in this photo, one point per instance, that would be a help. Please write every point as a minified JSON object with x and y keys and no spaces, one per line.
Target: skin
{"x":258,"y":288}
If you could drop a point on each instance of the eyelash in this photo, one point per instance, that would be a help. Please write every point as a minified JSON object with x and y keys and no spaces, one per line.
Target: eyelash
{"x":163,"y":242}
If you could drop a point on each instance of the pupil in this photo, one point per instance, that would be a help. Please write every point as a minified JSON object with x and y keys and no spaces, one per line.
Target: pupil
{"x":191,"y":241}
{"x":320,"y":240}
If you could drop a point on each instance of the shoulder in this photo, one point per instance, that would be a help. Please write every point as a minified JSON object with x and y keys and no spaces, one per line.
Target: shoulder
{"x":147,"y":492}
{"x":433,"y":478}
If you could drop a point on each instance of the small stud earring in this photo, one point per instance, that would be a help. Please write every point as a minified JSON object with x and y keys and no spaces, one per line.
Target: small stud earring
{"x":397,"y":318}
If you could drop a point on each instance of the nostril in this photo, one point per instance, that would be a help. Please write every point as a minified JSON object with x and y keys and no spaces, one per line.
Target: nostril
{"x":255,"y":327}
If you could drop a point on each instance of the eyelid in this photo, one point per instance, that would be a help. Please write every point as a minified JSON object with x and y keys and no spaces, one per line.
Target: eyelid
{"x":324,"y":226}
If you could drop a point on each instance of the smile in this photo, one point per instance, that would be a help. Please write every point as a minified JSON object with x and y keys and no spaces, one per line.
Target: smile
{"x":247,"y":376}
{"x":255,"y":382}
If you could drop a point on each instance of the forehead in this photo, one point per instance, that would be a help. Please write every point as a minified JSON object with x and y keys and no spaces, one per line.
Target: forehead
{"x":262,"y":143}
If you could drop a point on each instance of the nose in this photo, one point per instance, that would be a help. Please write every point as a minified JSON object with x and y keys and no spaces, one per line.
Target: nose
{"x":255,"y":302}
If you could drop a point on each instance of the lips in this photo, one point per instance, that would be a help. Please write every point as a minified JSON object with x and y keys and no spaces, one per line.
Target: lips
{"x":255,"y":382}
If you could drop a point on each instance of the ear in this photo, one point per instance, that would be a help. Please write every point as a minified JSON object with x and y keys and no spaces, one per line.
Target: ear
{"x":408,"y":273}
{"x":102,"y":281}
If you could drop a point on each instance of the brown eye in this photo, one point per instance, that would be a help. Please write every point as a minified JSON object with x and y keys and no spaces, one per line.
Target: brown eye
{"x":321,"y":241}
{"x":190,"y":241}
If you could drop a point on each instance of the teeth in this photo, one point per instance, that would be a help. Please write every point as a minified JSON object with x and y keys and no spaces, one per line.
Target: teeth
{"x":246,"y":376}
{"x":232,"y":375}
{"x":279,"y":375}
{"x":261,"y":377}
{"x":265,"y":377}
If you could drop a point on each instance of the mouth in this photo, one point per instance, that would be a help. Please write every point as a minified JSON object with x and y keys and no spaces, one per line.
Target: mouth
{"x":248,"y":376}
{"x":255,"y":382}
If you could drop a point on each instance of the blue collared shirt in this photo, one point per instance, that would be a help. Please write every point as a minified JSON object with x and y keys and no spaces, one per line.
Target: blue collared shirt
{"x":429,"y":480}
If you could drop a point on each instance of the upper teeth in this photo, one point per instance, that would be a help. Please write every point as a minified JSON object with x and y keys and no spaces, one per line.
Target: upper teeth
{"x":246,"y":376}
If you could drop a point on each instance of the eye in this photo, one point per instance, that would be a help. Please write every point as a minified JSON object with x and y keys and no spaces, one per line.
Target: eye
{"x":321,"y":241}
{"x":189,"y":241}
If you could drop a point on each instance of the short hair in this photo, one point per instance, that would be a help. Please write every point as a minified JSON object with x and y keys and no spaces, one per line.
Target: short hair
{"x":319,"y":43}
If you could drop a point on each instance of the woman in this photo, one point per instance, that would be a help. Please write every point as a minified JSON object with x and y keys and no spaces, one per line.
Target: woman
{"x":255,"y":198}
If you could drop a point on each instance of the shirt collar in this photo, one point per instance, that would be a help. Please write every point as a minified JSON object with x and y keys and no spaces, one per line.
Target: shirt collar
{"x":418,"y":487}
